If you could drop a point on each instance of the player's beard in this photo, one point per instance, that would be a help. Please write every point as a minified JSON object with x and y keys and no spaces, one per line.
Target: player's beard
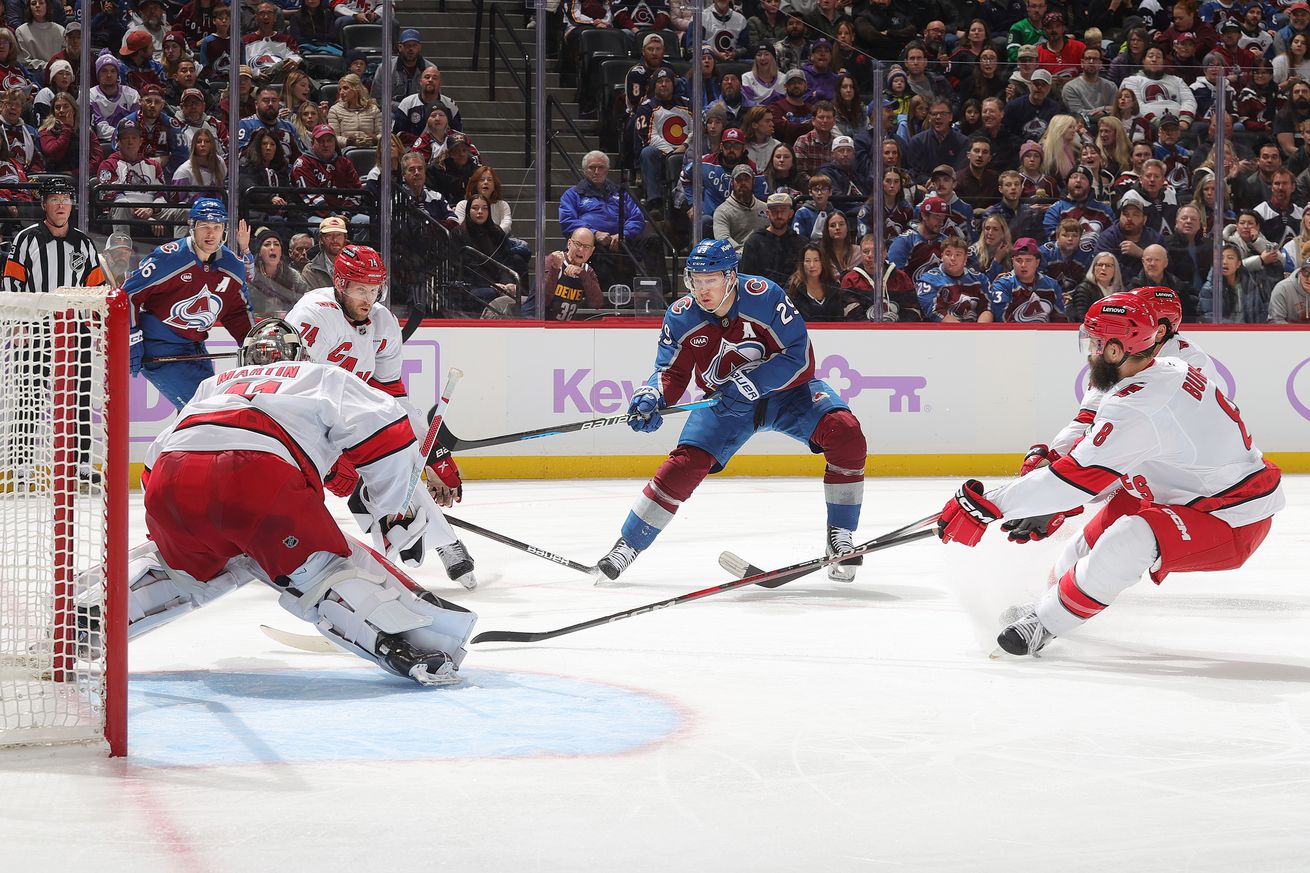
{"x":1102,"y":374}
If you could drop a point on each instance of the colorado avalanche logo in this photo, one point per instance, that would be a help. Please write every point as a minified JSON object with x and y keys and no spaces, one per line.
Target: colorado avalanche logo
{"x":1154,"y":93}
{"x":756,"y":286}
{"x":732,"y":358}
{"x":195,"y":313}
{"x":1035,"y":309}
{"x":674,"y":130}
{"x":724,"y":41}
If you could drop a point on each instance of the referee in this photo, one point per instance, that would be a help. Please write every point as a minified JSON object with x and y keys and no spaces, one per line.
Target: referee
{"x":46,"y":256}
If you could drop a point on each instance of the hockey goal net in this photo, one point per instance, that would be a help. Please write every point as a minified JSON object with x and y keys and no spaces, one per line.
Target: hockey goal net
{"x":63,"y":526}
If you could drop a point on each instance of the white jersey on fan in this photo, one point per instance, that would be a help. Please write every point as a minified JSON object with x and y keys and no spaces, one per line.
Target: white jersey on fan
{"x":372,"y":350}
{"x":1167,"y":435}
{"x":280,"y":409}
{"x":1174,"y":347}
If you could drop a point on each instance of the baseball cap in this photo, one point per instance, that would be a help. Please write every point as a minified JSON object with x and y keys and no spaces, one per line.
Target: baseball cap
{"x":742,"y":170}
{"x":650,"y":38}
{"x":782,"y":198}
{"x":246,"y":71}
{"x":942,"y":170}
{"x":1025,"y":245}
{"x":1053,"y":17}
{"x":1030,"y":146}
{"x":455,"y":138}
{"x":1040,"y":75}
{"x":152,"y":88}
{"x":1084,"y":170}
{"x":793,"y":74}
{"x":1230,"y":24}
{"x":662,"y":73}
{"x":1027,"y":51}
{"x":1305,"y":265}
{"x":73,"y":27}
{"x":332,"y":224}
{"x":733,"y":134}
{"x":1298,"y":7}
{"x":934,"y":206}
{"x":820,"y":43}
{"x":137,"y":40}
{"x":409,"y":34}
{"x":842,"y":142}
{"x":1167,"y":119}
{"x":118,"y":240}
{"x":321,"y":130}
{"x":1132,"y":198}
{"x":1186,"y":36}
{"x":174,"y":38}
{"x":128,"y":125}
{"x":193,"y":92}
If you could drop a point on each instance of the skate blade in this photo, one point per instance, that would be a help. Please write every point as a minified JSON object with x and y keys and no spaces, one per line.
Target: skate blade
{"x":999,"y":654}
{"x":598,"y":577}
{"x":468,"y":580}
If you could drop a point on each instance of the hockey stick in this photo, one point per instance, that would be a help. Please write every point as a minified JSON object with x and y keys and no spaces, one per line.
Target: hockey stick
{"x":454,"y":443}
{"x":172,"y":359}
{"x":515,"y":544}
{"x":786,"y":574}
{"x":741,"y":568}
{"x":303,"y":642}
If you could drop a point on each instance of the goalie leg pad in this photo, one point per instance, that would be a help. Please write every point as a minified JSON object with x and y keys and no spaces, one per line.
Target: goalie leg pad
{"x":358,"y":601}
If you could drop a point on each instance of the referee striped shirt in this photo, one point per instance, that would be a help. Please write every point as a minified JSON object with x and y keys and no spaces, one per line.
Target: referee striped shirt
{"x":41,"y":261}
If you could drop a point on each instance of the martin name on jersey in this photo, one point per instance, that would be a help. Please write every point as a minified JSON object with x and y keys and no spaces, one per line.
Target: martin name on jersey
{"x":187,"y":296}
{"x":761,"y":344}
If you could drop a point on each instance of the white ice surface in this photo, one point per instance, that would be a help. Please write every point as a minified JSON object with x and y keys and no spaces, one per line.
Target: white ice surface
{"x":816,"y":727}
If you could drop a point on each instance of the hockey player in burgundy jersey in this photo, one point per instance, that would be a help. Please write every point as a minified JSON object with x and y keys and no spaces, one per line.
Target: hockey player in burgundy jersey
{"x":1197,"y":494}
{"x":234,"y":492}
{"x":178,"y":293}
{"x":743,"y":342}
{"x":347,"y":327}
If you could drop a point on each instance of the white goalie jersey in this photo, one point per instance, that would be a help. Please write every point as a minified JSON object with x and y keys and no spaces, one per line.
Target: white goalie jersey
{"x":280,"y":409}
{"x":1174,"y":347}
{"x":1167,"y":435}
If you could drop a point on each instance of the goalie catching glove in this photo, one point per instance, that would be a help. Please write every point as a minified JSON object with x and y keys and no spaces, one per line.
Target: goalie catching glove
{"x":965,"y":517}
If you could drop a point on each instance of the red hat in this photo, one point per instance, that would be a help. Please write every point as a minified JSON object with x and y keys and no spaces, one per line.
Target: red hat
{"x":934,"y":206}
{"x":1025,"y":245}
{"x":1298,"y":7}
{"x":322,"y":130}
{"x":137,"y":40}
{"x":152,"y":88}
{"x":733,"y":134}
{"x":175,"y":38}
{"x":193,"y":92}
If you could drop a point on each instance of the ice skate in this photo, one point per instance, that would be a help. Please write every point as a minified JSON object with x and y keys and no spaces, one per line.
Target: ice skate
{"x":1025,"y":635}
{"x":430,"y":668}
{"x":840,"y":541}
{"x":458,"y":563}
{"x":618,"y":559}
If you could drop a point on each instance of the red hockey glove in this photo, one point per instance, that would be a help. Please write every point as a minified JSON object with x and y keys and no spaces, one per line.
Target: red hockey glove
{"x":342,"y":478}
{"x":443,"y":478}
{"x":1039,"y":455}
{"x":966,"y":515}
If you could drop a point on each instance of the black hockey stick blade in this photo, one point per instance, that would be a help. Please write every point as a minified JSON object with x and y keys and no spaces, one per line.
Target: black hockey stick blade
{"x":515,"y":544}
{"x":786,"y":574}
{"x":456,"y":444}
{"x":741,"y":568}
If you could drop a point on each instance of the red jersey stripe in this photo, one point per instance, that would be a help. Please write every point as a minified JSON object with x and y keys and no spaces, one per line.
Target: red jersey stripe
{"x":395,"y":389}
{"x":256,"y":421}
{"x":395,"y":437}
{"x":1259,"y":484}
{"x":1091,"y":479}
{"x":1075,"y":599}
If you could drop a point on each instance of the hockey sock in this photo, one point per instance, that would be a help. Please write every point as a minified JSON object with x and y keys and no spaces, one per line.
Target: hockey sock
{"x":684,"y":469}
{"x":839,"y":435}
{"x":1116,"y":562}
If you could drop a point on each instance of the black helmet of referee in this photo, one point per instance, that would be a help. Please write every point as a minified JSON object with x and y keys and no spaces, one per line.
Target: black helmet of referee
{"x":53,"y":186}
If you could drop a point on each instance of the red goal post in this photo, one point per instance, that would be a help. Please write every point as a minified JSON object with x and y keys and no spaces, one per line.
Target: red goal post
{"x":64,"y":466}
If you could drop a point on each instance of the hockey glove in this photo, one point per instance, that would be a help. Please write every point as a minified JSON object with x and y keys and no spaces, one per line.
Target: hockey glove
{"x":342,"y":478}
{"x":137,"y":350}
{"x":647,"y":401}
{"x":1039,"y":527}
{"x":966,"y":515}
{"x":1039,"y":455}
{"x":444,"y":483}
{"x":405,"y":533}
{"x":737,"y":397}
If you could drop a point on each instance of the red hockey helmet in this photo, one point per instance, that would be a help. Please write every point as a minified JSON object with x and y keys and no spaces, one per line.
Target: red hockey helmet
{"x":1164,"y":301}
{"x":1123,"y":318}
{"x":357,"y":263}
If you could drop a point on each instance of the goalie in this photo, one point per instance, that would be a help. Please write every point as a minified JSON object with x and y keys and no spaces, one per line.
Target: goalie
{"x":234,"y":491}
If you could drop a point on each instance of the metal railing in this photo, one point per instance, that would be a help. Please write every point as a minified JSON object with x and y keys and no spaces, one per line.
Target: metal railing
{"x":496,"y":51}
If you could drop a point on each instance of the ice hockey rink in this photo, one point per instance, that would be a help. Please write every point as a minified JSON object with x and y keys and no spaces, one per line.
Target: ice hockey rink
{"x":819,"y":726}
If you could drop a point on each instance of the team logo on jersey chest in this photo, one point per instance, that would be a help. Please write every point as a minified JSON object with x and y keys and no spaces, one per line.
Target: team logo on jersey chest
{"x":198,"y":312}
{"x":732,"y":358}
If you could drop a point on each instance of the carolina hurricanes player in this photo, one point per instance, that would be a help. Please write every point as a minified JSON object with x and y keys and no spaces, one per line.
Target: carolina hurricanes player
{"x":743,"y":341}
{"x":1197,"y":494}
{"x":178,"y":293}
{"x":234,"y":492}
{"x":1168,"y":311}
{"x":347,"y":327}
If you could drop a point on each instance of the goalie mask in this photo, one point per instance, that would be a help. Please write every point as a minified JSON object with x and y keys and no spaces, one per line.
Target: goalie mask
{"x":270,"y":341}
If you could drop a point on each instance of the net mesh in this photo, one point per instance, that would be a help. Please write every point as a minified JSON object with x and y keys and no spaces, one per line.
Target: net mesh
{"x":53,"y":518}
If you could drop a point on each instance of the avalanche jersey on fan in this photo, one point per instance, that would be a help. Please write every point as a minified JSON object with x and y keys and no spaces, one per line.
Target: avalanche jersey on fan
{"x":1038,"y":301}
{"x":762,"y":338}
{"x":1174,"y":347}
{"x":279,"y":409}
{"x":1168,"y":436}
{"x":175,"y":296}
{"x":914,"y":253}
{"x":964,"y":297}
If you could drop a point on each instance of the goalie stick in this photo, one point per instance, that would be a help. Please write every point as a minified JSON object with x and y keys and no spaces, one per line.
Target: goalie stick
{"x":741,"y":568}
{"x":303,"y":642}
{"x":781,"y":576}
{"x":456,"y":444}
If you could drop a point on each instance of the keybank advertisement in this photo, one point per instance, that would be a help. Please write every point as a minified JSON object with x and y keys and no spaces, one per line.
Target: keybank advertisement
{"x":917,"y":392}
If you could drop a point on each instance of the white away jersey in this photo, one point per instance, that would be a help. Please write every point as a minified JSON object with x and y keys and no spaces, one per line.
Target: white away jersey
{"x":1174,"y":347}
{"x":1167,"y":435}
{"x":307,"y":414}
